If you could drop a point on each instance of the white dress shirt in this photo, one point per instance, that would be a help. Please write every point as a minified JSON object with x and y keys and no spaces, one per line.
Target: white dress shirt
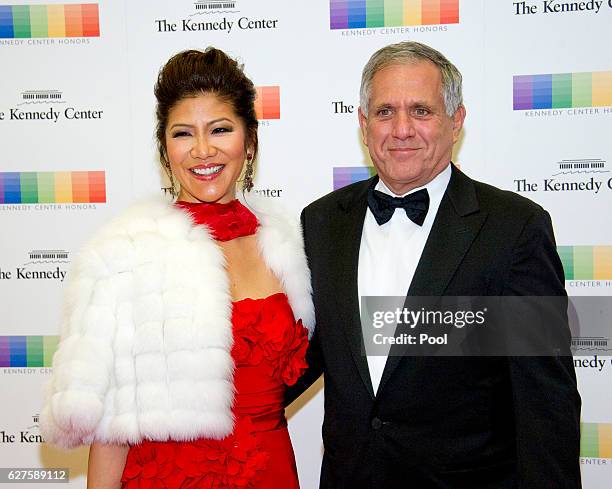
{"x":390,"y":253}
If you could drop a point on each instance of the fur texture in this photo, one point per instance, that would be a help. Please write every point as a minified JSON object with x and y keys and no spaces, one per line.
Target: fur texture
{"x":146,"y":334}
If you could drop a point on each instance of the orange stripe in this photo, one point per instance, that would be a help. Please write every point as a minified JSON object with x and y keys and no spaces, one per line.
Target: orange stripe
{"x":80,"y":186}
{"x":271,"y":102}
{"x":74,"y":20}
{"x":431,"y":12}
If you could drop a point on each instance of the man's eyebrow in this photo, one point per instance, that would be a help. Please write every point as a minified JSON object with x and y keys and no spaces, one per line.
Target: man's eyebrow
{"x":384,"y":105}
{"x":421,"y":105}
{"x":417,"y":104}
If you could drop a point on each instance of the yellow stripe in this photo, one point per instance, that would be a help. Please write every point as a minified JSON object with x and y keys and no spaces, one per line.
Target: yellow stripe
{"x":412,"y":12}
{"x":56,"y":21}
{"x":605,"y":440}
{"x":602,"y":262}
{"x":602,"y":89}
{"x":63,"y":187}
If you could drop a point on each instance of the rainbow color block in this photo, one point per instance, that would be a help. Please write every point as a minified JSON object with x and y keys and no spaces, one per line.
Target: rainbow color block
{"x":357,"y":14}
{"x":52,"y":187}
{"x":596,"y":440}
{"x":27,"y":351}
{"x":586,"y":262}
{"x":57,"y":20}
{"x":267,"y":103}
{"x":562,"y":90}
{"x":346,"y":175}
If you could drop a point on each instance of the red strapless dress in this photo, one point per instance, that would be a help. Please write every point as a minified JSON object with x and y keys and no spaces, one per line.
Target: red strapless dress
{"x":269,"y":351}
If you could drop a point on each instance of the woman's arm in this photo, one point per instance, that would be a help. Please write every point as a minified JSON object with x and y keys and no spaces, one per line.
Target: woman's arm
{"x":106,"y":464}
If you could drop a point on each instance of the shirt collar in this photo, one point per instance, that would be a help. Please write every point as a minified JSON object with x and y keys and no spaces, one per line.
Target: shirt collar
{"x":435,"y":188}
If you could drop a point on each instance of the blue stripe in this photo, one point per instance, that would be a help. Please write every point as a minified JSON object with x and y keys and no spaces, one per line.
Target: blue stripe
{"x":6,"y":22}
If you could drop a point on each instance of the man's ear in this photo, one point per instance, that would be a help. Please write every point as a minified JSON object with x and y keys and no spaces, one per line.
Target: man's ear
{"x":458,"y":118}
{"x":363,"y":125}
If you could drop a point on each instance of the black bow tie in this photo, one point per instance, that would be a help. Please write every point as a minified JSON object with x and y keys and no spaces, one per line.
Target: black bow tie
{"x":383,"y":206}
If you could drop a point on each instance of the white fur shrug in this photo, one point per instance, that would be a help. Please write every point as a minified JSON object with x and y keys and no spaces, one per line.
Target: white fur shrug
{"x":146,"y":335}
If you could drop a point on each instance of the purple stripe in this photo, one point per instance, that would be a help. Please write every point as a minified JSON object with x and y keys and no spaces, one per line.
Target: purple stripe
{"x":5,"y":352}
{"x":338,"y":14}
{"x":341,"y":182}
{"x":344,"y":176}
{"x":523,"y":92}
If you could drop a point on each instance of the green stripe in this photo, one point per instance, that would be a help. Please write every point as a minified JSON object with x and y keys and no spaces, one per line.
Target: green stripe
{"x":49,"y":347}
{"x":38,"y":20}
{"x":21,"y":21}
{"x":566,"y":253}
{"x":29,"y":188}
{"x":46,"y":187}
{"x":34,"y":349}
{"x":582,"y":86}
{"x":589,"y":440}
{"x":394,"y":13}
{"x":375,"y":13}
{"x":562,"y":90}
{"x":583,"y":262}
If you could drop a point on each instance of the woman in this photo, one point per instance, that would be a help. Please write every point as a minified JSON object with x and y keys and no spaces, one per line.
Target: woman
{"x":179,"y":336}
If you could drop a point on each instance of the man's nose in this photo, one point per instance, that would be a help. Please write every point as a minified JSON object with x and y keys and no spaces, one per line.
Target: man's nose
{"x":403,"y":126}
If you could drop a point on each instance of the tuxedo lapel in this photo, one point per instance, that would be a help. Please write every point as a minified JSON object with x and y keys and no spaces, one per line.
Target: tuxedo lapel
{"x":348,"y":230}
{"x":457,"y":223}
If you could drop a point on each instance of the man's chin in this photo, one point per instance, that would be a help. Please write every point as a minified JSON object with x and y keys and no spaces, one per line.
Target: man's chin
{"x":402,"y":183}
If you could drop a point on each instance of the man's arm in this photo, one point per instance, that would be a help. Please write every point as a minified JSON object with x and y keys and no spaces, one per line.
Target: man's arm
{"x":546,"y":400}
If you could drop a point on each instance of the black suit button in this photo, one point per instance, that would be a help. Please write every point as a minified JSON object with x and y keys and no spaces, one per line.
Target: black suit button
{"x":376,"y":423}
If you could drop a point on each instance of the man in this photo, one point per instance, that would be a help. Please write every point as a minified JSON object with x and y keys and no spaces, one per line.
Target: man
{"x":432,"y":422}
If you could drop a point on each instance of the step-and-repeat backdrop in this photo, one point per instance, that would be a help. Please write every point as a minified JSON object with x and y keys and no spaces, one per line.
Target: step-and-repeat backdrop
{"x":77,"y":146}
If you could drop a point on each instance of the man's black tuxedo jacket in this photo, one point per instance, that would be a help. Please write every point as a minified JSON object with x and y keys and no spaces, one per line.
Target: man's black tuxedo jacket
{"x":453,"y":422}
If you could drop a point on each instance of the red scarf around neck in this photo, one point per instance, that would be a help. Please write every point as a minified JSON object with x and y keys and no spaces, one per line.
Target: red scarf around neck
{"x":225,"y":221}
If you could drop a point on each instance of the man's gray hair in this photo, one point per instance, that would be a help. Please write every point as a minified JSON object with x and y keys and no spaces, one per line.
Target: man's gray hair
{"x":410,"y":52}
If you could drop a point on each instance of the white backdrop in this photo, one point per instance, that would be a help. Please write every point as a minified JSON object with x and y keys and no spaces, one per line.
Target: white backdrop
{"x":553,"y":148}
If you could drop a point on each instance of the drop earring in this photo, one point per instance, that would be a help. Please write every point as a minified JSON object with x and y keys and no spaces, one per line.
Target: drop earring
{"x":247,"y":182}
{"x":168,"y":169}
